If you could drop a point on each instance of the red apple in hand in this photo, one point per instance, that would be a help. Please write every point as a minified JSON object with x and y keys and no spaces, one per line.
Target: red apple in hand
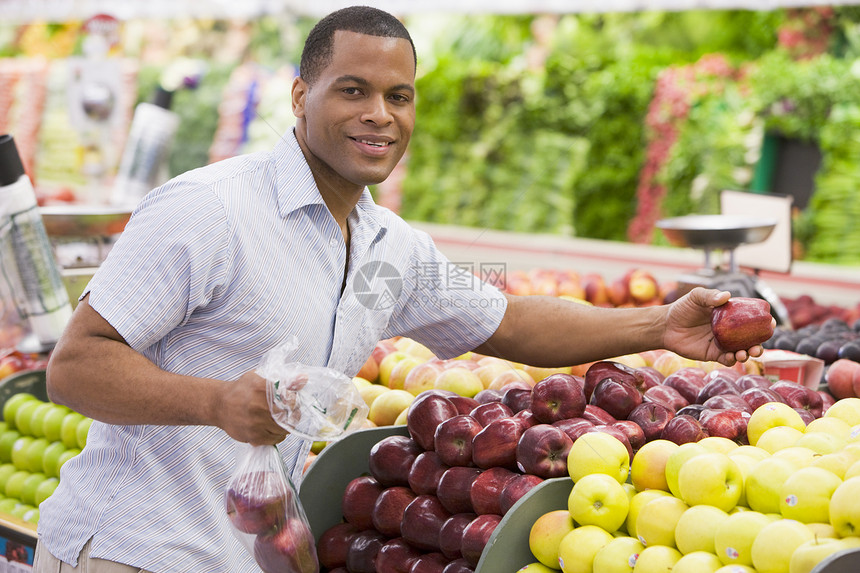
{"x":358,"y":500}
{"x":422,"y":521}
{"x":391,"y":458}
{"x":257,"y":502}
{"x":741,"y":323}
{"x":558,"y":397}
{"x":290,"y":548}
{"x":542,"y":451}
{"x":476,"y":535}
{"x":453,"y":440}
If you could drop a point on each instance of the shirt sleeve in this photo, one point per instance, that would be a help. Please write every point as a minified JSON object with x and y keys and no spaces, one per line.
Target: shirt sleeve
{"x":446,"y":305}
{"x":168,"y":261}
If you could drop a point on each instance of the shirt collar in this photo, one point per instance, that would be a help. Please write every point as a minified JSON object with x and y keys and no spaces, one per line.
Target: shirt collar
{"x":296,"y":187}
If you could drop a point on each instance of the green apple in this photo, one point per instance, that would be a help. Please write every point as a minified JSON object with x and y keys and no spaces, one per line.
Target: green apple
{"x":6,"y":470}
{"x":718,"y":444}
{"x":19,"y":452}
{"x":37,"y":419}
{"x":750,"y":451}
{"x":735,"y":568}
{"x":400,"y":370}
{"x":24,"y":415}
{"x":648,"y":467}
{"x":656,"y":559}
{"x":745,"y":464}
{"x":66,"y":456}
{"x":546,"y":534}
{"x":386,"y":365}
{"x":697,"y":562}
{"x":638,"y":501}
{"x":657,"y":520}
{"x":852,"y":471}
{"x":536,"y":567}
{"x":459,"y":380}
{"x":21,"y":510}
{"x":15,"y":484}
{"x":772,"y":548}
{"x":53,"y":421}
{"x":7,"y":504}
{"x":383,"y":411}
{"x":695,"y":529}
{"x":598,"y":452}
{"x":51,"y":458}
{"x":836,"y":462}
{"x":711,"y":479}
{"x":819,"y":529}
{"x":598,"y":499}
{"x":799,"y":456}
{"x":836,"y":426}
{"x":12,"y":404}
{"x":676,"y":460}
{"x":577,"y":549}
{"x":762,"y":484}
{"x":7,"y":440}
{"x":771,"y":415}
{"x":805,"y":494}
{"x":31,"y":516}
{"x":734,"y":537}
{"x":69,"y":429}
{"x":31,"y":484}
{"x":34,"y":454}
{"x":45,"y":490}
{"x":812,"y":552}
{"x":778,"y":438}
{"x":844,"y":508}
{"x":619,"y":555}
{"x":821,"y":442}
{"x":846,"y":409}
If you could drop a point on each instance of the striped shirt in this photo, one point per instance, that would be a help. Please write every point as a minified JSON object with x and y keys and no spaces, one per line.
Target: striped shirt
{"x":214,"y":268}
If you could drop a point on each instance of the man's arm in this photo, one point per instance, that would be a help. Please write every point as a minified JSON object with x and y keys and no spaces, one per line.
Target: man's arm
{"x":93,"y":371}
{"x":549,"y":331}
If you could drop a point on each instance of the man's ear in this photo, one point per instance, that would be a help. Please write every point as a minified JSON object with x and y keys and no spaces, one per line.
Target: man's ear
{"x":299,"y":93}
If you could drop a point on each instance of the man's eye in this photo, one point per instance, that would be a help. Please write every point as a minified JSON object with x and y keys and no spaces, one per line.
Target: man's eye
{"x":400,"y":98}
{"x":351,"y":91}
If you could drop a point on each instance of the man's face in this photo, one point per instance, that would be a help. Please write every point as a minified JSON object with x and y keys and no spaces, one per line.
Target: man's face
{"x":355,"y":121}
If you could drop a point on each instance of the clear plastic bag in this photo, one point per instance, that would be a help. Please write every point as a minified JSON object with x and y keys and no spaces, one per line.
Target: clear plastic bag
{"x":313,"y":402}
{"x":267,"y":517}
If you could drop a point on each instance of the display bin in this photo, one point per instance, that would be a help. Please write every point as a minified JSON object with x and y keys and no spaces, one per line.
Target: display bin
{"x":340,"y":462}
{"x":18,"y":537}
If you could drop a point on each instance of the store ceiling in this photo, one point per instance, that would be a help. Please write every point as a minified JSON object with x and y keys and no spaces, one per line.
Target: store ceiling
{"x":20,"y":11}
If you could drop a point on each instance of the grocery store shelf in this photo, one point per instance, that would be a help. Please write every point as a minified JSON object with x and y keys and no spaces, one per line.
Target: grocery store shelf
{"x":827,"y":284}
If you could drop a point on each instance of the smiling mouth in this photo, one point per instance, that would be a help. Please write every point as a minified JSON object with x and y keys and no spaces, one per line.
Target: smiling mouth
{"x":379,"y":144}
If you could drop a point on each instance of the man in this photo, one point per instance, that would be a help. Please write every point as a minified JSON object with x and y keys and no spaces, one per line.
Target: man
{"x":224,"y":263}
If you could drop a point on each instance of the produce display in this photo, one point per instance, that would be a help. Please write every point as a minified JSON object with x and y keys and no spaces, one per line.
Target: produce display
{"x":36,"y":439}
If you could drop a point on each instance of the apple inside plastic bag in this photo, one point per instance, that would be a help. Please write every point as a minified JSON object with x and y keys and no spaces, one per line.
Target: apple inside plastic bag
{"x":313,"y":402}
{"x":267,"y":517}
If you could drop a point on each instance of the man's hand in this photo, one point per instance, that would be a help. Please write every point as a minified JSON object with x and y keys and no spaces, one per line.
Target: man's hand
{"x":688,"y":328}
{"x":245,"y":415}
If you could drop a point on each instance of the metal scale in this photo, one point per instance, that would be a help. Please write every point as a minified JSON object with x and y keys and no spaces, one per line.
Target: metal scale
{"x":721,"y":235}
{"x":81,"y":237}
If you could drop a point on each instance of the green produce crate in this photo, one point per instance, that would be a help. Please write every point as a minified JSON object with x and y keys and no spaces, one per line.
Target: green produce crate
{"x":323,"y":485}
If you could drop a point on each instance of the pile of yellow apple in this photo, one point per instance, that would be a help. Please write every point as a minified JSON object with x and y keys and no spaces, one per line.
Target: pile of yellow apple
{"x":779,"y":505}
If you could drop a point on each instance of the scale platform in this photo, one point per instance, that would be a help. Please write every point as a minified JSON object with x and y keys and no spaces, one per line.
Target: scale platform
{"x":724,"y":233}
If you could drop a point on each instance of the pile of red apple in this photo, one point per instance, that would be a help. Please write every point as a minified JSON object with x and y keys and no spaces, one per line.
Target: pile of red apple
{"x":636,"y":287}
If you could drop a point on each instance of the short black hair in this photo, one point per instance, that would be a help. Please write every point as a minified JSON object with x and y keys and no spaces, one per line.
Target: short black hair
{"x":319,"y":45}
